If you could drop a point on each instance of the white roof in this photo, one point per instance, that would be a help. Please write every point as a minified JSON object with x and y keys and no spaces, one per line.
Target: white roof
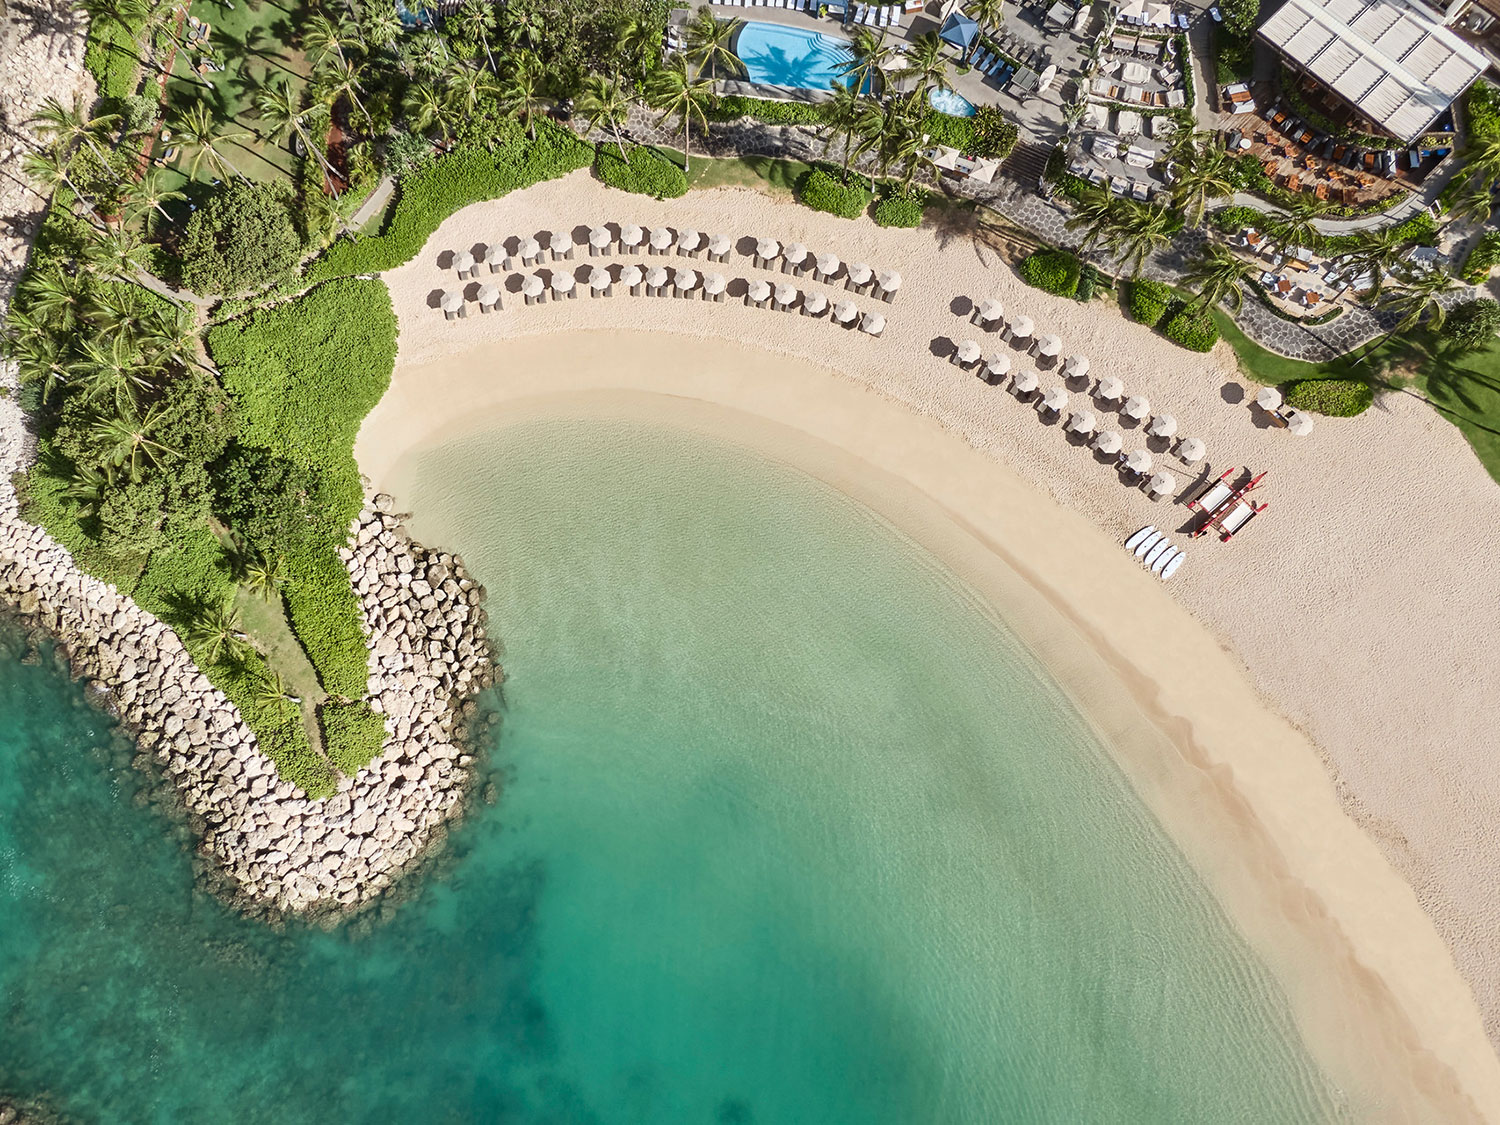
{"x":1392,"y":59}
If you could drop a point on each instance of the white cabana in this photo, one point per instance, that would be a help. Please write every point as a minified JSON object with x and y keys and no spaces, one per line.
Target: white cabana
{"x":889,"y":281}
{"x":873,"y":323}
{"x":561,"y":244}
{"x":767,"y":249}
{"x":998,"y":364}
{"x":599,"y":239}
{"x":1110,"y":389}
{"x":1159,"y":15}
{"x":661,"y":239}
{"x":529,"y":250}
{"x":656,"y":277}
{"x":1083,"y":422}
{"x":1055,"y":399}
{"x":599,"y":280}
{"x":1139,"y":461}
{"x":1191,"y":450}
{"x":794,"y":255}
{"x":1048,"y":346}
{"x":990,"y":310}
{"x":1076,"y":366}
{"x":631,"y":276}
{"x":685,"y":281}
{"x":1108,"y":442}
{"x":759,"y":290}
{"x":1268,"y":398}
{"x":562,"y":283}
{"x":1163,"y":426}
{"x":1021,"y":327}
{"x":785,"y":294}
{"x":688,"y":240}
{"x":828,"y":265}
{"x":1162,"y":484}
{"x":452,"y":303}
{"x":463,"y":263}
{"x":631,"y":236}
{"x":489,"y":296}
{"x":1025,"y":382}
{"x":1299,"y":422}
{"x":532,"y":286}
{"x":968,"y":352}
{"x":844,"y":312}
{"x":1137,"y":407}
{"x":1133,"y":10}
{"x":814,"y":304}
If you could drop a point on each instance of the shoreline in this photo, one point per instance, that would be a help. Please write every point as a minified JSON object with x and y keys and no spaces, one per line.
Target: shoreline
{"x":1384,"y":1006}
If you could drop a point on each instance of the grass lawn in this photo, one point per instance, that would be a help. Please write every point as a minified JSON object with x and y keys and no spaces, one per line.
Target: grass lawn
{"x":777,"y":178}
{"x":251,"y":40}
{"x":266,"y":623}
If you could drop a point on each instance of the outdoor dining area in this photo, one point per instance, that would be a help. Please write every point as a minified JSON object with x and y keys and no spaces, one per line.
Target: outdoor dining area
{"x":1298,"y":159}
{"x":1298,"y":281}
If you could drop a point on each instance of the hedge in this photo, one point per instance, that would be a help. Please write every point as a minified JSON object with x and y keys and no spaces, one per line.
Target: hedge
{"x":1052,"y":271}
{"x":900,"y":209}
{"x":643,"y":171}
{"x":109,"y":54}
{"x":777,"y":113}
{"x":468,"y":174}
{"x":823,"y":191}
{"x":1149,"y":301}
{"x":1195,"y":331}
{"x":354,"y":734}
{"x":1338,"y":398}
{"x":1484,"y":257}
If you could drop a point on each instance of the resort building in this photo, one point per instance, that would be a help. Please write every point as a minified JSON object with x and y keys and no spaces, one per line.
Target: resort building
{"x":1389,"y":66}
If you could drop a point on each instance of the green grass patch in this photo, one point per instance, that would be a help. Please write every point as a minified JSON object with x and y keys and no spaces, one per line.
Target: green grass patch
{"x":777,"y":178}
{"x":355,"y":732}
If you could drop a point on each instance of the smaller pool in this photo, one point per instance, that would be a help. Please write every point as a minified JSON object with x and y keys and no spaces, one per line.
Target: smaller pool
{"x":954,"y":105}
{"x":777,"y":55}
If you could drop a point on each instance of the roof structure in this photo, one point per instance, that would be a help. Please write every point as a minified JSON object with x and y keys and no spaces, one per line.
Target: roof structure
{"x":1392,"y":60}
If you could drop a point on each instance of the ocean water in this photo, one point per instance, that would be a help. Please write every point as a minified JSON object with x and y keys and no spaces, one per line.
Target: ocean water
{"x":792,"y":829}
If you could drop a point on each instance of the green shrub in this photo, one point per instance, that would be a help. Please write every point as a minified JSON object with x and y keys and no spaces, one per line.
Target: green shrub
{"x":1149,"y":301}
{"x":1484,"y":257}
{"x":824,"y":191}
{"x":1088,"y":283}
{"x":1234,"y":57}
{"x":776,"y":113}
{"x":109,"y":54}
{"x":1338,"y":398}
{"x":353,"y":733}
{"x":644,"y":171}
{"x":408,"y":153}
{"x":1240,"y":16}
{"x":1482,"y":109}
{"x":945,"y":129}
{"x":1052,"y":271}
{"x":900,"y":208}
{"x":468,"y":174}
{"x":243,"y":237}
{"x":1195,"y":331}
{"x":1472,"y":324}
{"x":995,"y":135}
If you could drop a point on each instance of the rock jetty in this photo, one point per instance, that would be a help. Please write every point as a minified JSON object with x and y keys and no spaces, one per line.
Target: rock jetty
{"x":264,"y":842}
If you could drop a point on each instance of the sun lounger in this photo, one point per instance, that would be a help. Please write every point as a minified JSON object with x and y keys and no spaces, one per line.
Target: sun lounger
{"x":1220,"y":492}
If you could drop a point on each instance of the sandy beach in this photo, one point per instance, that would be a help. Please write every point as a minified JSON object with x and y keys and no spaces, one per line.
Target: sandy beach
{"x":1340,"y":803}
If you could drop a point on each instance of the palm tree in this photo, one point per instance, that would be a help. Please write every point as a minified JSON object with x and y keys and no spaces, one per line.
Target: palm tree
{"x":1378,"y":252}
{"x":1473,"y":204}
{"x":467,"y":86}
{"x":40,"y":356}
{"x":127,"y":441}
{"x":640,"y":42}
{"x":673,"y":91}
{"x":264,"y":576}
{"x":150,"y":192}
{"x":71,"y":126}
{"x":50,"y":169}
{"x":1201,"y":174}
{"x":1217,"y":277}
{"x":1073,"y":113}
{"x":605,"y":103}
{"x":170,"y":333}
{"x":871,"y":54}
{"x":709,"y":41}
{"x":321,"y":37}
{"x":196,"y":129}
{"x":522,"y":94}
{"x":426,"y":107}
{"x":1097,"y":213}
{"x":115,"y":370}
{"x":341,"y":79}
{"x":1295,"y":227}
{"x":850,"y":115}
{"x":58,"y":299}
{"x":988,"y":14}
{"x":216,"y":628}
{"x":475,"y":20}
{"x":925,"y":63}
{"x":1142,"y":231}
{"x":425,"y":54}
{"x":382,"y":25}
{"x":272,"y":691}
{"x":118,"y":254}
{"x":1419,"y":301}
{"x":285,"y":120}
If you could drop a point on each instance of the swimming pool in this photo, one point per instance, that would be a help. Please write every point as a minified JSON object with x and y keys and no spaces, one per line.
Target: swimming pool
{"x":775,"y":55}
{"x":955,"y":105}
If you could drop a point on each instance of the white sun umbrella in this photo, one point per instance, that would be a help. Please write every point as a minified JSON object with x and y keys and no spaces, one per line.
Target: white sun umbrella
{"x":1021,"y":327}
{"x":631,"y":236}
{"x":759,"y":290}
{"x":1191,"y":450}
{"x":794,"y":254}
{"x":1083,"y":422}
{"x":562,"y":282}
{"x":631,"y":276}
{"x":1110,"y":389}
{"x":685,"y":280}
{"x":890,"y":281}
{"x":656,"y":277}
{"x":990,"y":310}
{"x":1108,"y":442}
{"x":1055,"y":399}
{"x":785,"y":294}
{"x":873,"y":323}
{"x":968,"y":351}
{"x":767,"y":249}
{"x":1300,"y":423}
{"x":814,"y":304}
{"x":599,"y":237}
{"x":1049,"y":345}
{"x":1025,"y":382}
{"x":661,"y":238}
{"x":561,"y":243}
{"x":718,"y":245}
{"x":1163,"y":425}
{"x":828,"y":265}
{"x":860,"y":274}
{"x":599,"y":280}
{"x":1137,"y":406}
{"x":464,"y":262}
{"x":533,"y":285}
{"x":1139,"y":461}
{"x":714,"y":283}
{"x":1163,"y":483}
{"x":452,"y":301}
{"x":844,"y":312}
{"x":998,"y":364}
{"x":494,"y":257}
{"x":688,"y":240}
{"x":489,"y":293}
{"x":1268,"y":398}
{"x":1076,"y":366}
{"x":529,"y":248}
{"x":1045,"y":79}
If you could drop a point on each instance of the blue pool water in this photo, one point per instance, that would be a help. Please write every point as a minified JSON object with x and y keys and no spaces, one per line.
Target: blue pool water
{"x":955,"y":105}
{"x":775,"y":55}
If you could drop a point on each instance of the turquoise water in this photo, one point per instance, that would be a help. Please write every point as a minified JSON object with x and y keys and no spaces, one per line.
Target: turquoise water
{"x":777,"y":55}
{"x":792,"y":830}
{"x":950,"y":102}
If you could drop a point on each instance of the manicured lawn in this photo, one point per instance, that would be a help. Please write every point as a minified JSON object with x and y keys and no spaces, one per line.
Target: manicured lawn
{"x":266,"y":623}
{"x":1464,"y":388}
{"x":763,"y":173}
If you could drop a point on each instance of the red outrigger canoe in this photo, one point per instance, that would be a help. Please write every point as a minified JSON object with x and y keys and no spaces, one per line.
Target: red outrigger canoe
{"x":1225,"y":508}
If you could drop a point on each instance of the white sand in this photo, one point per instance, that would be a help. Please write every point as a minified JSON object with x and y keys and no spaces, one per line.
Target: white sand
{"x":1346,"y":607}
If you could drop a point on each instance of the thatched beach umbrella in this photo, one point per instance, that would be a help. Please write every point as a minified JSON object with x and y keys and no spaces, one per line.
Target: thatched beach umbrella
{"x":758,"y":292}
{"x":1268,"y":398}
{"x":599,"y":282}
{"x":1162,"y":484}
{"x":464,"y":264}
{"x":844,"y":312}
{"x":997,"y":365}
{"x":872,"y":323}
{"x":600,"y":240}
{"x":631,"y":236}
{"x":718,"y":247}
{"x":1110,"y":389}
{"x":688,"y":241}
{"x":766,"y":251}
{"x":1076,"y":366}
{"x":1139,"y":462}
{"x":1025,"y":382}
{"x":489,"y":297}
{"x":990,"y":313}
{"x":887,"y":284}
{"x":814,"y":304}
{"x":1299,"y":422}
{"x":1137,"y":407}
{"x":562,"y":285}
{"x":529,"y":250}
{"x":714,"y":285}
{"x":1021,"y":328}
{"x":967,"y":352}
{"x":1108,"y":442}
{"x":685,"y":281}
{"x":1055,"y":400}
{"x":631,"y":277}
{"x":494,"y":257}
{"x":1191,"y":450}
{"x":452,"y":304}
{"x":561,"y":244}
{"x":828,"y":265}
{"x":785,"y":295}
{"x":656,"y":280}
{"x":661,"y":240}
{"x":1083,"y":422}
{"x":793,"y":257}
{"x":860,"y":277}
{"x":532,"y":288}
{"x":1162,"y":426}
{"x":1048,"y":346}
